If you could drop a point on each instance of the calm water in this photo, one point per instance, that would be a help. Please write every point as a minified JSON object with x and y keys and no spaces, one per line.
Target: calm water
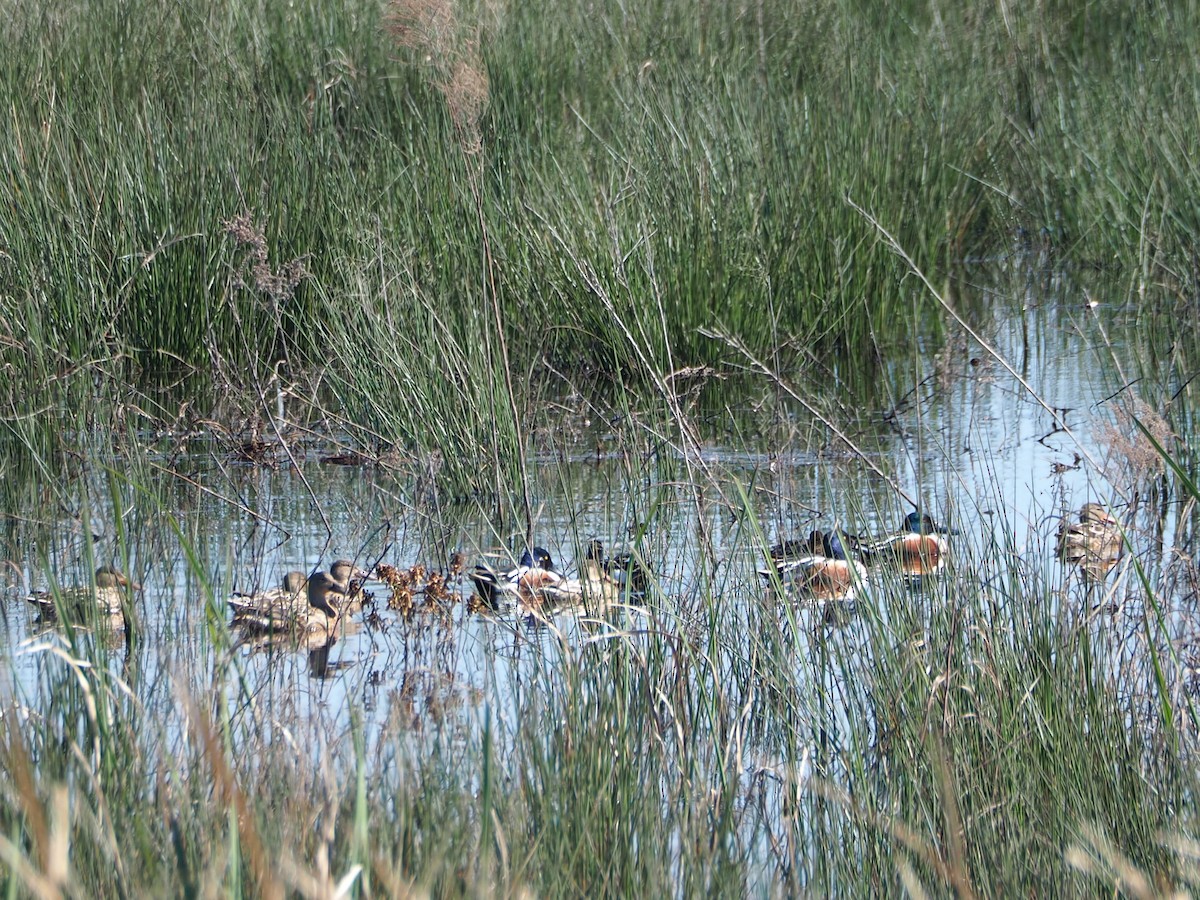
{"x":956,"y":432}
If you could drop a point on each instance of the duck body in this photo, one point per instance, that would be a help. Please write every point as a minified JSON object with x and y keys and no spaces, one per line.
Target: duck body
{"x":1093,"y":543}
{"x":527,"y":582}
{"x":816,"y":568}
{"x":595,"y":589}
{"x":624,"y":570}
{"x":310,"y":616}
{"x":794,"y":555}
{"x":279,"y":603}
{"x":291,"y":601}
{"x":106,"y":597}
{"x":918,"y":550}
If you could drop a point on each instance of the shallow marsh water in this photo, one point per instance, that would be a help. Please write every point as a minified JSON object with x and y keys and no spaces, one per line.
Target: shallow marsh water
{"x":962,"y":437}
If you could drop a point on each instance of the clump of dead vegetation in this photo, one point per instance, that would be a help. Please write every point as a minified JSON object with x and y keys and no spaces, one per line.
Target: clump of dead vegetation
{"x":434,"y":32}
{"x":1133,"y":456}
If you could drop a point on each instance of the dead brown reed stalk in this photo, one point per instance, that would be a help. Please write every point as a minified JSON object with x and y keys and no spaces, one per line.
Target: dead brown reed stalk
{"x":423,"y":26}
{"x":17,"y":763}
{"x":466,"y":92}
{"x":434,"y":31}
{"x":267,"y":881}
{"x":949,"y":869}
{"x":1096,"y":855}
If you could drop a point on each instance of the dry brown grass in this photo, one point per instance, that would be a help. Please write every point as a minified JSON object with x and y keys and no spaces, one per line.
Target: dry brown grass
{"x":433,"y":31}
{"x":1132,"y":456}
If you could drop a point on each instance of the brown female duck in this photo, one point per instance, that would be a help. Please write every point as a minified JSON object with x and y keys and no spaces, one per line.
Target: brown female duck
{"x":1093,"y":543}
{"x":106,"y":597}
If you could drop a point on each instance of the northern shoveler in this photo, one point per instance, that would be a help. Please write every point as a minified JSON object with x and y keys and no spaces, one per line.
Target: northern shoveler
{"x":624,"y":570}
{"x":107,"y":595}
{"x":919,"y":548}
{"x":532,"y":575}
{"x":1093,"y":543}
{"x":817,"y":567}
{"x":794,"y":554}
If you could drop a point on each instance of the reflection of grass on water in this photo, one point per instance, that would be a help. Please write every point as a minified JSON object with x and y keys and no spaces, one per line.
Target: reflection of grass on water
{"x":279,"y":208}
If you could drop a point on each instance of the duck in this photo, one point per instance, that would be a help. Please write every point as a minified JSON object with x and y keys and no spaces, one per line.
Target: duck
{"x":1093,"y":543}
{"x":107,"y":596}
{"x":795,"y":553}
{"x":350,"y":577}
{"x":816,"y":567}
{"x":533,"y":574}
{"x":624,"y":569}
{"x":596,"y":588}
{"x":278,"y":603}
{"x":317,"y":616}
{"x":919,"y":549}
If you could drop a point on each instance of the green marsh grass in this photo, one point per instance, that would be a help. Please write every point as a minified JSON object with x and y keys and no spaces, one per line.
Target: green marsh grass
{"x":615,"y":183}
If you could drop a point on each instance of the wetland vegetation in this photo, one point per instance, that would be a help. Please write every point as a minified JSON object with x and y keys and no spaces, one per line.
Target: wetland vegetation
{"x":282,"y":283}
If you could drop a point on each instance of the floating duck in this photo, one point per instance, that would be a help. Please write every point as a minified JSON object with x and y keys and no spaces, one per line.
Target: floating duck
{"x":1094,"y":543}
{"x":919,"y":549}
{"x":325,"y":601}
{"x":317,"y":617}
{"x":624,"y":569}
{"x":595,"y":588}
{"x":816,"y":567}
{"x":286,"y":601}
{"x":106,"y":598}
{"x":350,"y":578}
{"x":291,"y":598}
{"x":526,"y":582}
{"x":794,"y":554}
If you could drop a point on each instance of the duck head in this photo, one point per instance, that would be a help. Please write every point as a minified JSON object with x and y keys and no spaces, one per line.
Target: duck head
{"x":538,"y":558}
{"x":923,"y":523}
{"x":294,"y":582}
{"x":112,"y":577}
{"x":325,"y":593}
{"x":343,"y":570}
{"x":1095,"y":513}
